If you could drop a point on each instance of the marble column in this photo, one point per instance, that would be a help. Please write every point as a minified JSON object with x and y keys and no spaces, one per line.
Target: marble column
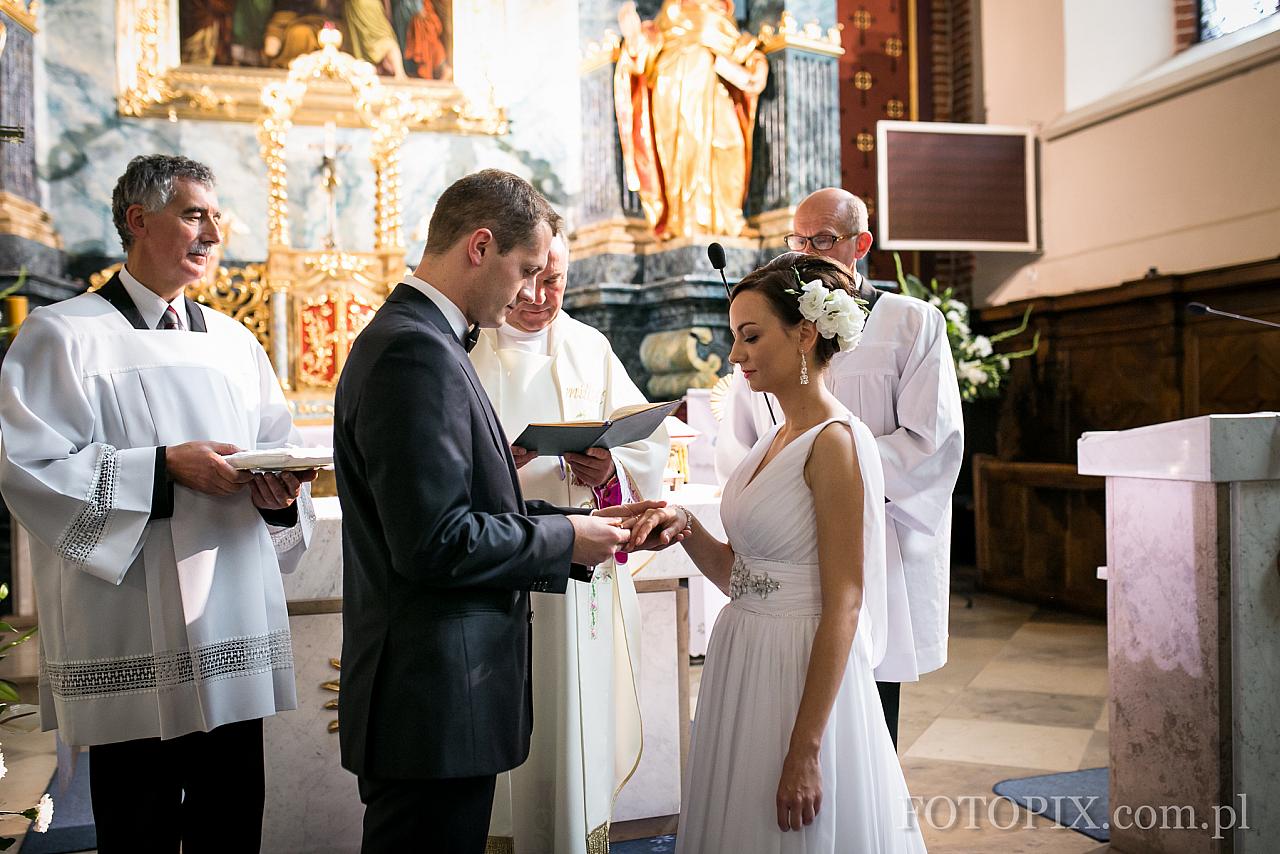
{"x":27,"y":237}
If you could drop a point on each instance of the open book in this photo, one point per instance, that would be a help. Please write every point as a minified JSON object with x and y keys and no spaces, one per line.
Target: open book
{"x":625,"y":425}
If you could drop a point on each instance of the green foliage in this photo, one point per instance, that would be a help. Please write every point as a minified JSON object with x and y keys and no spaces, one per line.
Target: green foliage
{"x":980,"y":370}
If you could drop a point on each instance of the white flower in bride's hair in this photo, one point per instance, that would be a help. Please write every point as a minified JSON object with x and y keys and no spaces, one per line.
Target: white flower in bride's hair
{"x":44,"y":813}
{"x":812,"y":297}
{"x":836,"y":314}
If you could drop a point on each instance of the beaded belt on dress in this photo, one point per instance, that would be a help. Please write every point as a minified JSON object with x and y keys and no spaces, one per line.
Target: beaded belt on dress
{"x":765,"y":586}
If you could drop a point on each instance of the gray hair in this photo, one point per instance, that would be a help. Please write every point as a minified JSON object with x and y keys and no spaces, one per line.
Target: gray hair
{"x":148,"y":181}
{"x":853,"y":212}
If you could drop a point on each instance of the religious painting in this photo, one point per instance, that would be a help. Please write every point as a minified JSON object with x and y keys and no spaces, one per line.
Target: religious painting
{"x":404,"y":39}
{"x":213,"y":59}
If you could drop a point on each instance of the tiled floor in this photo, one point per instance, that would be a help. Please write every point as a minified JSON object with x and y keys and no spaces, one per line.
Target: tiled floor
{"x":1024,"y":693}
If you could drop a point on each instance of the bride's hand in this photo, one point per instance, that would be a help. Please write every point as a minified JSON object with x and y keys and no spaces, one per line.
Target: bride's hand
{"x":656,"y":529}
{"x":799,"y":791}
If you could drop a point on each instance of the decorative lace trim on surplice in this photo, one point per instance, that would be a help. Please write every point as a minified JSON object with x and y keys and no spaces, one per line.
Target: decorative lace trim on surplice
{"x":284,"y":539}
{"x":80,"y":680}
{"x":742,"y":581}
{"x":82,"y":536}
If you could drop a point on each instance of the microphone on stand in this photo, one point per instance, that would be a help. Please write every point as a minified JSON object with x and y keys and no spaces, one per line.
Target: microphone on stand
{"x":1201,"y":308}
{"x":715,"y":254}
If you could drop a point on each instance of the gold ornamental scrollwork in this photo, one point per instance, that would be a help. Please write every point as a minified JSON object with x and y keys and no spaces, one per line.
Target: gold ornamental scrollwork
{"x":23,"y":12}
{"x":810,"y":37}
{"x":379,"y":108}
{"x":153,"y":82}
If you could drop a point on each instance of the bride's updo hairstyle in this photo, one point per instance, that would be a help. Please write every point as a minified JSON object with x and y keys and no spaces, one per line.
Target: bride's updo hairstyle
{"x":785,"y":273}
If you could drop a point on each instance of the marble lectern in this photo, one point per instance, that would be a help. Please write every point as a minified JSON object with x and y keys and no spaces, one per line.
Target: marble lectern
{"x":1193,"y":624}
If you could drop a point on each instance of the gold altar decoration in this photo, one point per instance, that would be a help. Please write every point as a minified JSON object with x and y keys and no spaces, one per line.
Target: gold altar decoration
{"x":23,"y":12}
{"x":811,"y":37}
{"x":378,"y":108}
{"x":686,"y":85}
{"x":332,"y":294}
{"x":153,"y":82}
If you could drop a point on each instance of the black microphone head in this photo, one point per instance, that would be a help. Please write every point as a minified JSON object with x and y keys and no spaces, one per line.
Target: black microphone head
{"x":1197,"y":308}
{"x":715,"y":252}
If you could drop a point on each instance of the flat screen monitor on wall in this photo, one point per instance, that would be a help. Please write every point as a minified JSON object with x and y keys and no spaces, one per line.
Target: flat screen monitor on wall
{"x":946,"y":186}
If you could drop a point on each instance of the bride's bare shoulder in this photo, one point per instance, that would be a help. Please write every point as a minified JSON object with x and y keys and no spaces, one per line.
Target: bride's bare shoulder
{"x":834,"y":456}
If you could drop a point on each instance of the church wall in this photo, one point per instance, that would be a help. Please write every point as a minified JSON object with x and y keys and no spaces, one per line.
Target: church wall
{"x":1183,"y":184}
{"x":1108,"y":44}
{"x":85,"y":145}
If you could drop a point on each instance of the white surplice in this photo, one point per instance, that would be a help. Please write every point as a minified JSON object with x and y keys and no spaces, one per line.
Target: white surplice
{"x":148,"y":628}
{"x":901,"y":382}
{"x":586,"y":734}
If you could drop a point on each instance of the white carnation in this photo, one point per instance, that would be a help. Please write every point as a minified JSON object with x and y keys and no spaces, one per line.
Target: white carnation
{"x":982,"y":346}
{"x":44,"y":813}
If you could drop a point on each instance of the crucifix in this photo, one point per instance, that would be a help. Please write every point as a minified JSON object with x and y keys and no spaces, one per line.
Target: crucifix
{"x":329,"y":181}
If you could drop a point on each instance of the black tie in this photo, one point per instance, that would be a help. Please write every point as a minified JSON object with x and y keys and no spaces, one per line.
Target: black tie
{"x":473,"y":335}
{"x":169,"y":320}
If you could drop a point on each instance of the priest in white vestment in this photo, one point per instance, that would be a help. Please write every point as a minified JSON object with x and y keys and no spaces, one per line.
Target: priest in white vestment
{"x":543,"y":365}
{"x":164,"y":637}
{"x":901,"y":382}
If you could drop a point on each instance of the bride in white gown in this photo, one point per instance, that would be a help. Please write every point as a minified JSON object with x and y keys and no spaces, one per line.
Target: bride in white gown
{"x":790,"y":750}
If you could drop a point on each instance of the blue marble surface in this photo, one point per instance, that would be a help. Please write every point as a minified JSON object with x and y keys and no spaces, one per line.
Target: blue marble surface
{"x":84,"y":144}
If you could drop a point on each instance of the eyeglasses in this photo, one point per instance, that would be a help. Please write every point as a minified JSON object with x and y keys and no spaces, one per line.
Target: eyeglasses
{"x":820,"y":242}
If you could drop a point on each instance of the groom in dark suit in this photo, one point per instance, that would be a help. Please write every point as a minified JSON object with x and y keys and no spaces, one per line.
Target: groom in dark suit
{"x":439,"y":547}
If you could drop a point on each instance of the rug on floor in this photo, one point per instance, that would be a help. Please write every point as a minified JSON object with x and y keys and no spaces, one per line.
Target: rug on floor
{"x":652,"y":845}
{"x":72,"y":826}
{"x":1079,"y":800}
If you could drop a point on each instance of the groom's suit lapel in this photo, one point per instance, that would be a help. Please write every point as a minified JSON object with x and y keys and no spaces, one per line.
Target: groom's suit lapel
{"x":432,"y":314}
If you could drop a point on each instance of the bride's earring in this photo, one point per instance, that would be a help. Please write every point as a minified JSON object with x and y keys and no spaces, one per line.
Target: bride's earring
{"x":804,"y":370}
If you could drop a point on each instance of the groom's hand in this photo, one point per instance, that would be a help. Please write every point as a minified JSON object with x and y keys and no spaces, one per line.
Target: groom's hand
{"x":596,"y":538}
{"x":628,"y":511}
